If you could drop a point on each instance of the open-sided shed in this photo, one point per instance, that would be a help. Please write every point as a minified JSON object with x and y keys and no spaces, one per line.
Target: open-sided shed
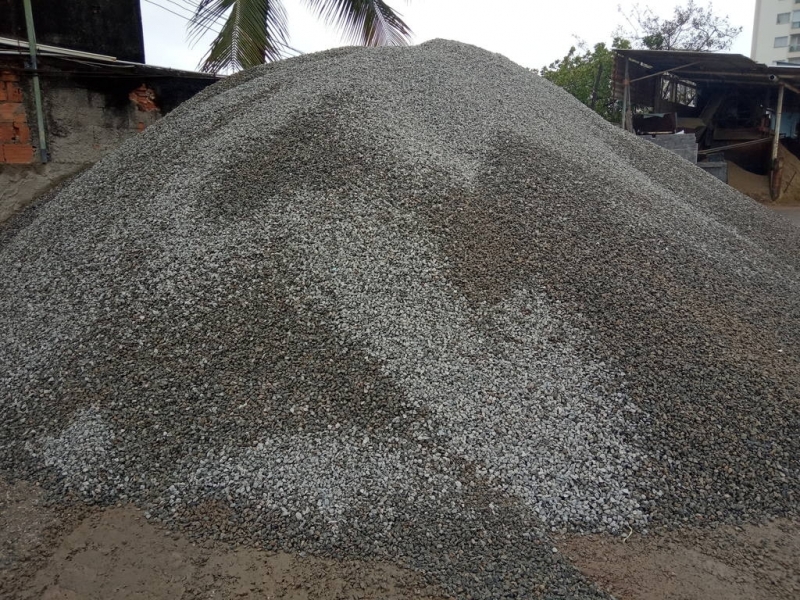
{"x":734,"y":105}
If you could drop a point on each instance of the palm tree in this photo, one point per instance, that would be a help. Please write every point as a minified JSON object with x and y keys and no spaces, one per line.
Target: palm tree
{"x":256,"y":31}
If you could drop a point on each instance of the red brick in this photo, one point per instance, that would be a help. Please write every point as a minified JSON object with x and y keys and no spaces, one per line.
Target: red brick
{"x":17,"y":133}
{"x":7,"y":133}
{"x":144,"y":98}
{"x":22,"y":133}
{"x":8,"y":76}
{"x":11,"y":111}
{"x":13,"y":92}
{"x":17,"y":153}
{"x":3,"y":93}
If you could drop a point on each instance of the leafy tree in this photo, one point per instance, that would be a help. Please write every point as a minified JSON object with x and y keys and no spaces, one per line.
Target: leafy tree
{"x":691,"y":27}
{"x":586,"y":74}
{"x":256,"y":31}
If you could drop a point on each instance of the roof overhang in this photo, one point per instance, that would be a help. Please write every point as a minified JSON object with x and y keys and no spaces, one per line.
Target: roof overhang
{"x":710,"y":67}
{"x":88,"y":63}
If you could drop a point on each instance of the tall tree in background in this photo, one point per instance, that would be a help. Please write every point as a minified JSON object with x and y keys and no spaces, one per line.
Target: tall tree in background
{"x":256,"y":31}
{"x":691,"y":27}
{"x":586,"y":74}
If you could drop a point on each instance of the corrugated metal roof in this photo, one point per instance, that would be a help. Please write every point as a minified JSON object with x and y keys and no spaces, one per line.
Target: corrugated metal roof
{"x":712,"y":66}
{"x":662,"y":60}
{"x":87,"y":61}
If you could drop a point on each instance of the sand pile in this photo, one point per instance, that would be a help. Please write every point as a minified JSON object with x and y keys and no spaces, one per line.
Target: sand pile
{"x":414,"y":304}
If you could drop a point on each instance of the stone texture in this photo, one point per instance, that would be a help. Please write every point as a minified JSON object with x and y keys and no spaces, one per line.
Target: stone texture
{"x":415,"y":304}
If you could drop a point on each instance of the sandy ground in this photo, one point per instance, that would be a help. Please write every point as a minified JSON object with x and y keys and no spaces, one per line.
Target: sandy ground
{"x":71,"y":554}
{"x":750,"y":184}
{"x":726,"y":563}
{"x":115,"y":553}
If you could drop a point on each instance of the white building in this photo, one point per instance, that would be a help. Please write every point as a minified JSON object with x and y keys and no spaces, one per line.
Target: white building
{"x":776,"y":32}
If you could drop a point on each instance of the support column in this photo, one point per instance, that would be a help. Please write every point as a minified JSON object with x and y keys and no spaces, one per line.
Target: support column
{"x":37,"y":90}
{"x":777,"y":136}
{"x":626,"y":87}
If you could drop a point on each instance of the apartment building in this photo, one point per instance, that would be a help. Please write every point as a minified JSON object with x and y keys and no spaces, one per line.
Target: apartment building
{"x":776,"y":32}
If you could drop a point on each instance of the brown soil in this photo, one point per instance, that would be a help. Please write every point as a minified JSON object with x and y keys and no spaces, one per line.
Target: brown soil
{"x":115,"y":553}
{"x":750,"y":184}
{"x":757,"y":186}
{"x":727,"y":563}
{"x":81,"y":553}
{"x":790,"y":180}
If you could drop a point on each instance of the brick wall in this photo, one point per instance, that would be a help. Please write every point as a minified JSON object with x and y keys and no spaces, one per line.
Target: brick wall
{"x":15,"y":133}
{"x":85,"y":119}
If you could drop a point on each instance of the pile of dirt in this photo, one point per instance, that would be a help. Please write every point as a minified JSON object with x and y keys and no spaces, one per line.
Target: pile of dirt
{"x":410,"y":304}
{"x":790,"y":180}
{"x":757,"y":186}
{"x":748,"y":183}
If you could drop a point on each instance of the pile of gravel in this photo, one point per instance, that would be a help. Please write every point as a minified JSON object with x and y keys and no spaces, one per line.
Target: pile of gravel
{"x":415,"y":304}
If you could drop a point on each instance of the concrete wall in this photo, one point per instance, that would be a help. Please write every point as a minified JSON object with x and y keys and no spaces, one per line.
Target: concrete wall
{"x":766,"y":29}
{"x":684,"y":145}
{"x":87,"y":114}
{"x":718,"y":169}
{"x":81,"y":126}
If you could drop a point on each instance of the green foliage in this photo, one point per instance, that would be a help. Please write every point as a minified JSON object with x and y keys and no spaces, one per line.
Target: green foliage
{"x":256,"y":31}
{"x":253,"y":31}
{"x":586,"y":74}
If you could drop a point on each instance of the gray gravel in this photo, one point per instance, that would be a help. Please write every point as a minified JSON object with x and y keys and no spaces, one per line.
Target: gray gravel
{"x":415,"y":304}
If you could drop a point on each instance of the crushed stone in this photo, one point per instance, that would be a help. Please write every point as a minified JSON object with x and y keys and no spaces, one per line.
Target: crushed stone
{"x":415,"y":304}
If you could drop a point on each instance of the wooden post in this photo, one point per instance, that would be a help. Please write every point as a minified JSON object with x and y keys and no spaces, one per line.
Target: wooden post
{"x":626,"y":84}
{"x":778,"y":113}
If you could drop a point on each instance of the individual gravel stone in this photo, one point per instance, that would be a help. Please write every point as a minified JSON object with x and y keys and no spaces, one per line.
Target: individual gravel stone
{"x":409,"y":304}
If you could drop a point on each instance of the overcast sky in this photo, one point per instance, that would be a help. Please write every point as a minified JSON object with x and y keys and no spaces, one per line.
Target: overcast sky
{"x":532,"y":33}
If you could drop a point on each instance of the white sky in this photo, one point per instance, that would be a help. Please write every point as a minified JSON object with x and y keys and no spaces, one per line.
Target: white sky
{"x":532,"y":33}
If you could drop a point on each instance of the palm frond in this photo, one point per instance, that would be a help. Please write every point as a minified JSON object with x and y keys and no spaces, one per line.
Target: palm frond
{"x":367,"y":22}
{"x":255,"y":31}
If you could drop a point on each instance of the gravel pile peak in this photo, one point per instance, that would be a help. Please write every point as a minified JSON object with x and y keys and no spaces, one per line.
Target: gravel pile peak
{"x":408,"y":303}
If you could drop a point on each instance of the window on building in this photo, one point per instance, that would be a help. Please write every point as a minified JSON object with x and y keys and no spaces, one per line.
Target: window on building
{"x":794,"y":43}
{"x":796,"y":19}
{"x":795,"y":60}
{"x":782,"y":42}
{"x":783,"y":18}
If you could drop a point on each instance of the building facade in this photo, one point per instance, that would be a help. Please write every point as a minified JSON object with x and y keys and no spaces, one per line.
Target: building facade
{"x":95,"y":91}
{"x":776,"y":32}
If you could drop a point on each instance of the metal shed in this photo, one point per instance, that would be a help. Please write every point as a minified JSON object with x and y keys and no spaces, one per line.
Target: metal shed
{"x":734,"y":105}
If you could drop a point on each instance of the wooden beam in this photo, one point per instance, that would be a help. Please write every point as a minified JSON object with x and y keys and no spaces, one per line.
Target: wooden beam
{"x":626,"y":89}
{"x":665,"y":71}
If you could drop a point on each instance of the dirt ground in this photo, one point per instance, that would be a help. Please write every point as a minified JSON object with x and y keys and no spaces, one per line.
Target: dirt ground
{"x":727,"y":563}
{"x":750,"y":184}
{"x":82,"y":554}
{"x":116,"y":553}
